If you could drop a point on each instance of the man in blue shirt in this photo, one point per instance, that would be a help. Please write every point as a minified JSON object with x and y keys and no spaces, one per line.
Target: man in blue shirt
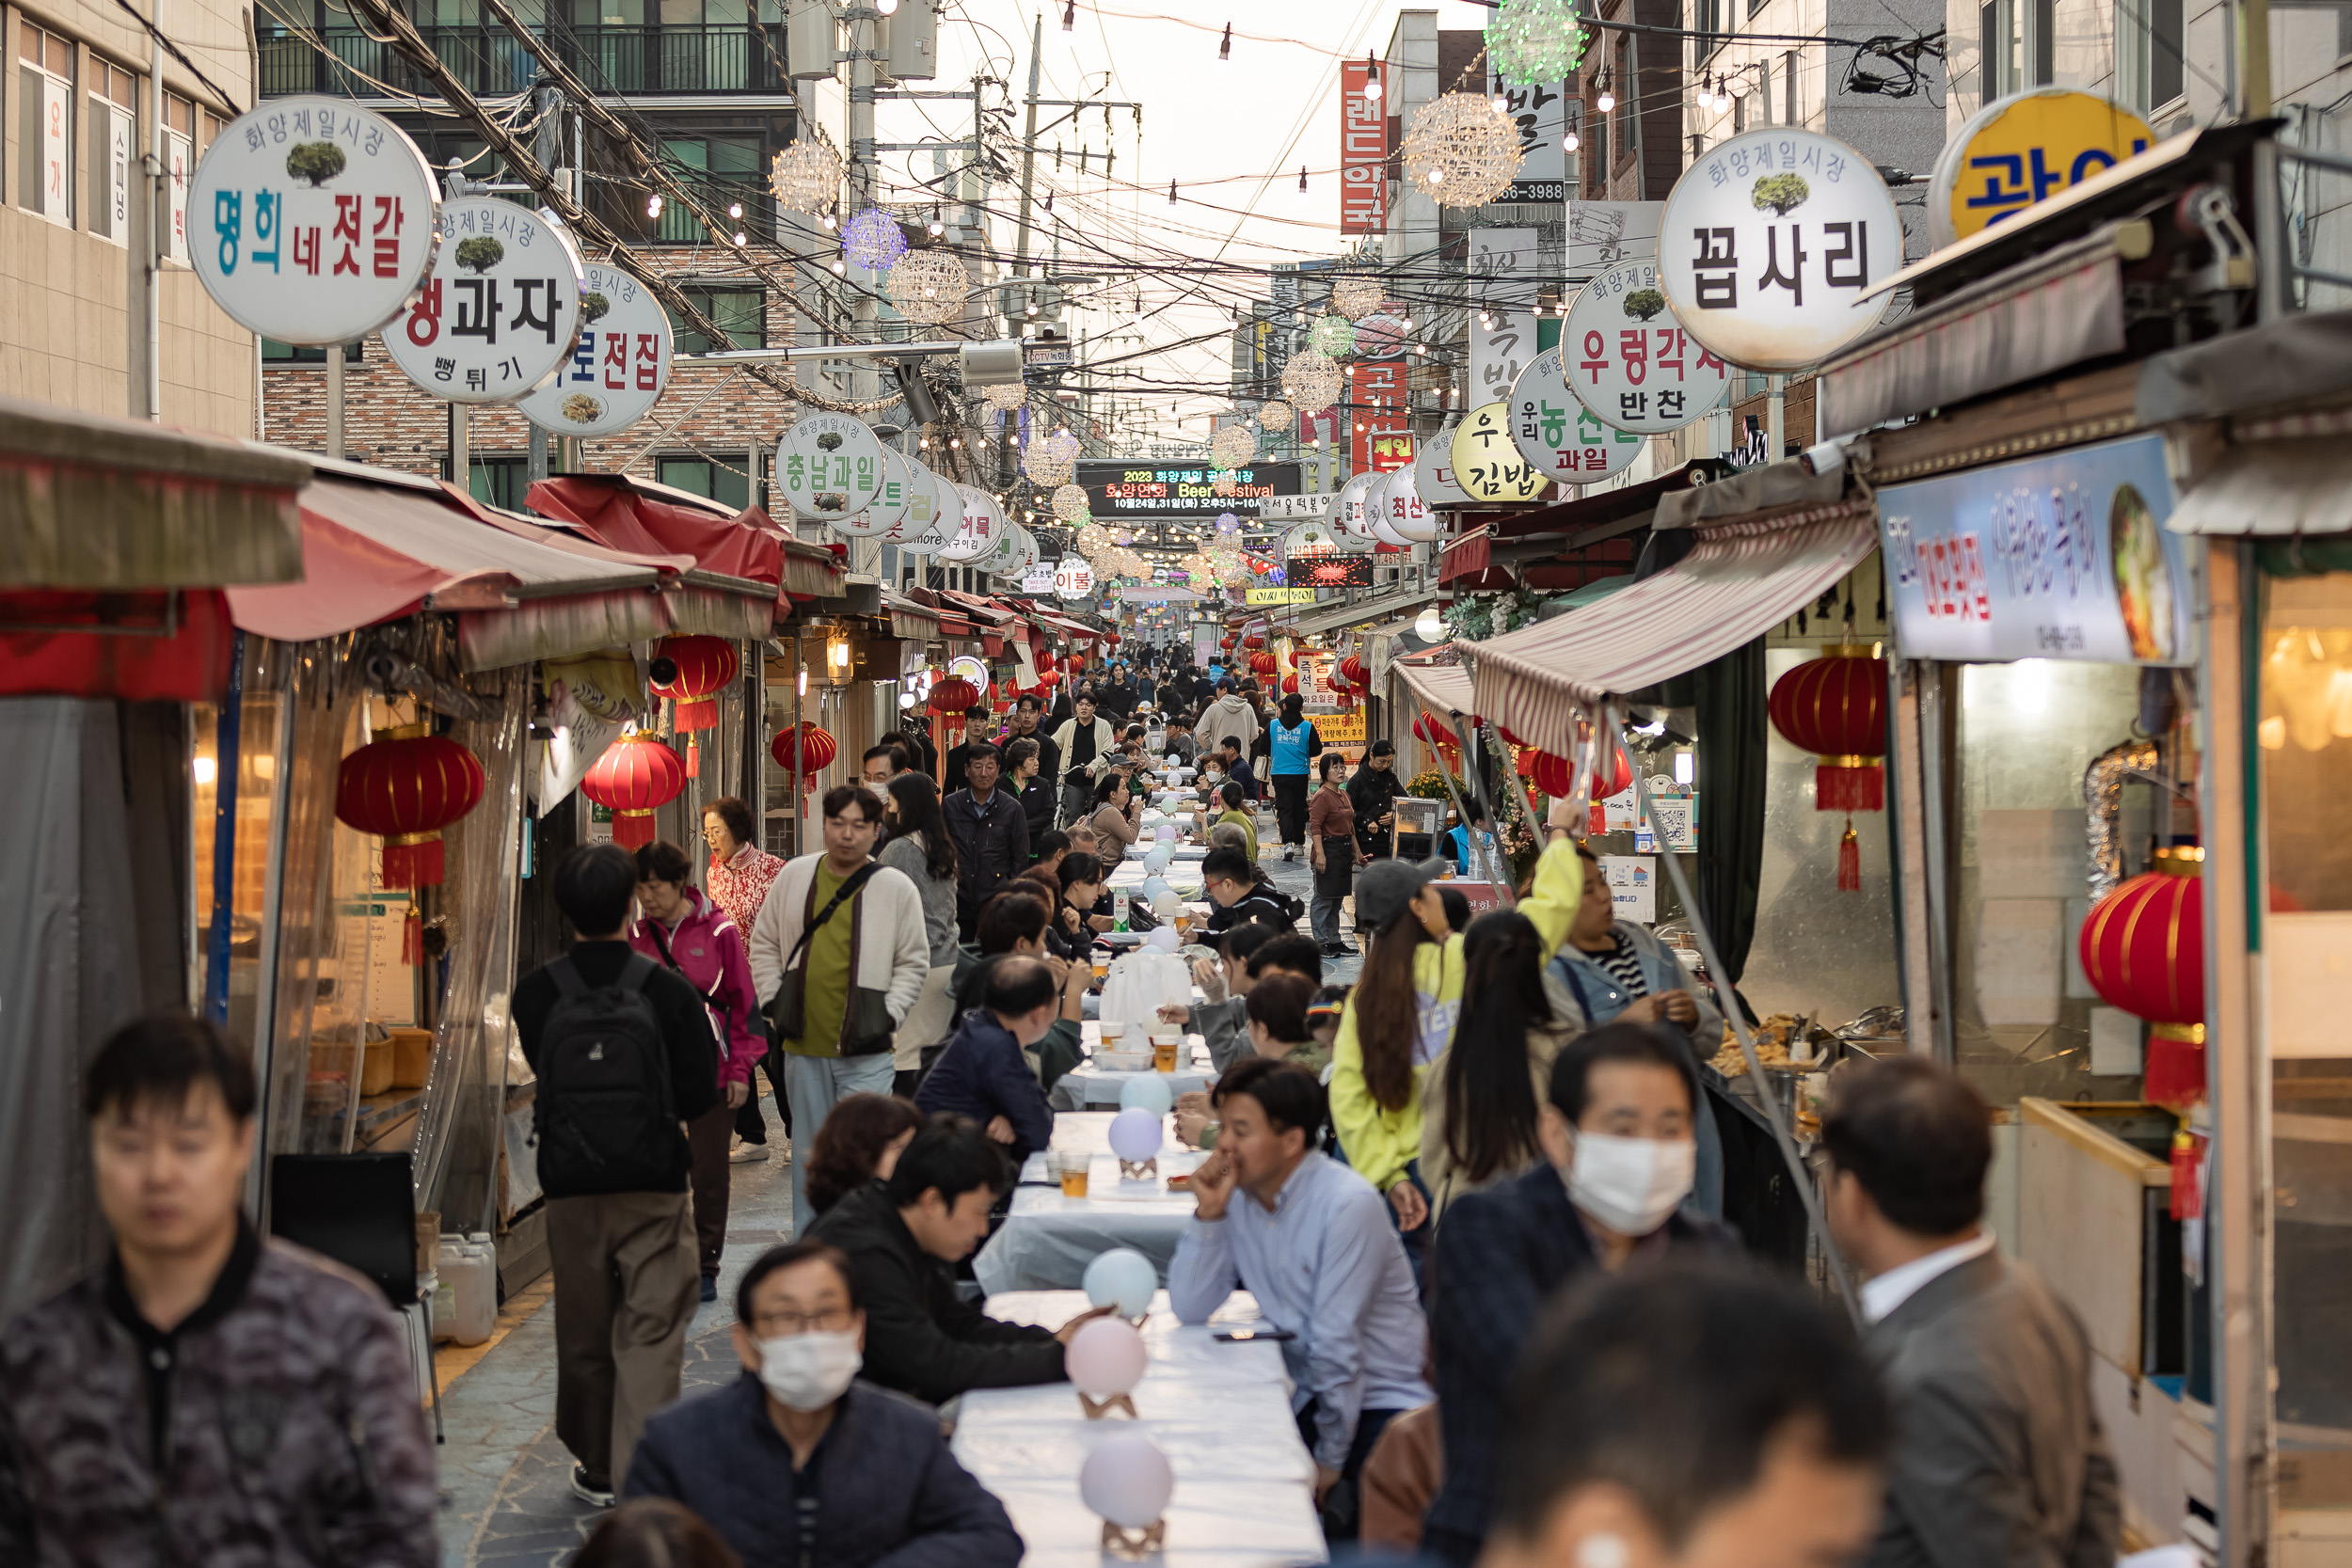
{"x":1291,"y":746}
{"x":1312,"y":1241}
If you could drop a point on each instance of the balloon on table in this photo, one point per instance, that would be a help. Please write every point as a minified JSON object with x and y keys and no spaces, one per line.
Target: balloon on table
{"x":1165,"y":832}
{"x":1107,"y":1356}
{"x":1157,"y":860}
{"x":1127,"y":1480}
{"x":1148,"y":1091}
{"x":1162,"y":937}
{"x":1136,"y":1131}
{"x":1122,"y":1278}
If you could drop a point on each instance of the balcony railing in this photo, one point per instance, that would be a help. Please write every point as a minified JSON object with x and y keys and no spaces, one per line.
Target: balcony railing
{"x":630,"y":60}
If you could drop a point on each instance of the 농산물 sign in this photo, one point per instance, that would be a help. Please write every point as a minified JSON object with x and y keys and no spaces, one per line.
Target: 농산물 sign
{"x":1769,"y":243}
{"x":1630,"y":362}
{"x":618,"y":368}
{"x":499,"y":312}
{"x":2058,"y":556}
{"x":313,"y":220}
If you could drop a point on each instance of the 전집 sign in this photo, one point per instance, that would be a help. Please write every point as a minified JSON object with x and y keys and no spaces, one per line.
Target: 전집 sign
{"x":1638,"y":372}
{"x":619,"y":368}
{"x":1769,"y":243}
{"x":499,"y":312}
{"x":2060,"y":557}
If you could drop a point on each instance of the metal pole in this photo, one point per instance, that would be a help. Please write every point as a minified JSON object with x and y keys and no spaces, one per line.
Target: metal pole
{"x":150,"y":222}
{"x":225,"y":733}
{"x":335,"y":400}
{"x":863,"y":306}
{"x":543,"y":146}
{"x":460,"y":448}
{"x":800,"y":761}
{"x":1029,"y":154}
{"x":1775,"y":417}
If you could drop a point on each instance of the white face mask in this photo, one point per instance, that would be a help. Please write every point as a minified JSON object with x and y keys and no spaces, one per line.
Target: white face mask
{"x":808,"y":1372}
{"x":1630,"y":1184}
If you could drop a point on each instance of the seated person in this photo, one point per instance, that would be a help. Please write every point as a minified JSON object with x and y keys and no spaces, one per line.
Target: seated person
{"x":1049,"y":847}
{"x":1312,"y":1241}
{"x":1323,"y":1013}
{"x":904,"y":1237}
{"x":1239,"y":893}
{"x":1014,"y":920}
{"x":1456,"y":846}
{"x":860,"y":1141}
{"x":1276,"y":1013}
{"x":1291,"y":953}
{"x":1229,"y":795}
{"x":743,"y":1456}
{"x":984,"y":1074}
{"x":1083,"y":884}
{"x":1238,"y":770}
{"x":1224,"y":981}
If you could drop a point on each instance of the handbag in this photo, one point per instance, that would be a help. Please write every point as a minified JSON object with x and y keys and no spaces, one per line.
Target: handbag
{"x":785,"y":1008}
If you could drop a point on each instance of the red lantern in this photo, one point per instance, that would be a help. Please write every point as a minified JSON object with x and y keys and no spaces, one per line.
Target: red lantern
{"x":405,"y":789}
{"x":817,"y":750}
{"x":1430,"y":733}
{"x":2143,"y":950}
{"x":1050,"y":679}
{"x":953,"y":695}
{"x":1253,"y":641}
{"x":1263,"y":664}
{"x":1290,"y":684}
{"x":637,"y":775}
{"x":1556,"y":777}
{"x":1835,"y":706}
{"x":705,"y":666}
{"x":1045,"y":662}
{"x":1226,"y":642}
{"x":1352,"y":668}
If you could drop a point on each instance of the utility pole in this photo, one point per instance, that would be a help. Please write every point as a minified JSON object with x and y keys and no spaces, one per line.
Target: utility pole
{"x":1028,"y":153}
{"x":543,"y":142}
{"x":151,"y":221}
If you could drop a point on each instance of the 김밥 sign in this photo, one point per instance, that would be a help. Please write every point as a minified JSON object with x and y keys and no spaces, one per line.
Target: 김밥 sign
{"x":1630,"y":362}
{"x":1558,"y":434}
{"x":829,"y":465}
{"x":313,"y":220}
{"x":1769,"y":242}
{"x":1487,"y":464}
{"x":2024,"y":148}
{"x":499,"y":312}
{"x":618,"y":368}
{"x":2058,"y":556}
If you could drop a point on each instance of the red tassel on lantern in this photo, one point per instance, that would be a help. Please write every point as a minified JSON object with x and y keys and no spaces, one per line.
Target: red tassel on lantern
{"x":412,"y":938}
{"x":2188,"y":1175}
{"x":1849,"y":861}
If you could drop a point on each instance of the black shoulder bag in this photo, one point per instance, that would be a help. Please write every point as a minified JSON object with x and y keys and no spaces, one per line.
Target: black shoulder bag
{"x":785,"y":1008}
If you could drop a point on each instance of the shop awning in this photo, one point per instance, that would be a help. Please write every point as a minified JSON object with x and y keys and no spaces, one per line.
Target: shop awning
{"x":1737,"y":583}
{"x":2290,"y":362}
{"x":156,"y":645}
{"x":910,"y":620}
{"x":1468,"y":556}
{"x":1383,"y":606}
{"x":734,"y":548}
{"x":2272,"y":489}
{"x":95,"y":502}
{"x":1442,"y":688}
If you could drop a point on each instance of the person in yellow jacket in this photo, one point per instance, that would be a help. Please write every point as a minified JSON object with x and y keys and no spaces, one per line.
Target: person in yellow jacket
{"x":1400,"y":1017}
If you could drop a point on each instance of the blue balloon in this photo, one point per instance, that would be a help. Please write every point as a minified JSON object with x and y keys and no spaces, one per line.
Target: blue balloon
{"x":1147,"y":1091}
{"x":1136,"y":1135}
{"x":1122,"y":1278}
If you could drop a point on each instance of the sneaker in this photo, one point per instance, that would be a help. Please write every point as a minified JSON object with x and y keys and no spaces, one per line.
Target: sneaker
{"x":710,"y":1287}
{"x":1290,"y":851}
{"x":741,"y":1153}
{"x":587,"y":1491}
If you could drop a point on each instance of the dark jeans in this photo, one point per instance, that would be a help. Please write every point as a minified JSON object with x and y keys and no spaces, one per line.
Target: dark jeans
{"x":1342,"y":1507}
{"x":750,"y":1125}
{"x":1290,"y":806}
{"x":709,"y":1183}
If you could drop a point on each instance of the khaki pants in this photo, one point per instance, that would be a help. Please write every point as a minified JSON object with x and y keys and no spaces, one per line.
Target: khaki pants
{"x":625,"y":1291}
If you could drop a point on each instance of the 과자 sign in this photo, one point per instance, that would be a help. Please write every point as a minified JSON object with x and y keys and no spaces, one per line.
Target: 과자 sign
{"x":313,"y":220}
{"x":1630,"y":362}
{"x":1561,"y":437}
{"x":619,"y":368}
{"x":2025,"y":149}
{"x":828,"y":467}
{"x":1769,"y":244}
{"x":499,"y":312}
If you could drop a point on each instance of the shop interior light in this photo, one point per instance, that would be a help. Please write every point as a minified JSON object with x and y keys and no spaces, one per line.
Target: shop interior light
{"x":1686,"y":768}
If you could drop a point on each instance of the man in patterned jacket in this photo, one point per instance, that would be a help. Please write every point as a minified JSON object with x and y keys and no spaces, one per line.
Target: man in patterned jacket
{"x":207,"y":1395}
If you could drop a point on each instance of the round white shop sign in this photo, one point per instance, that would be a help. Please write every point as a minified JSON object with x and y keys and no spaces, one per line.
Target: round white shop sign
{"x":828,"y":467}
{"x":1628,"y":359}
{"x":1073,"y":579}
{"x":889,"y":508}
{"x":1433,"y":467}
{"x":311,"y":221}
{"x":930,"y":524}
{"x":1407,"y":514}
{"x":1487,"y":466}
{"x":1559,"y":435}
{"x":1767,"y":245}
{"x":1347,"y":511}
{"x":620,"y":367}
{"x":1376,"y":509}
{"x":975,"y":536}
{"x":499,"y":312}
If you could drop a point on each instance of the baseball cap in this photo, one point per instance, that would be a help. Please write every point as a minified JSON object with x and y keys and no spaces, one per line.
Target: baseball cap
{"x":1385,"y":887}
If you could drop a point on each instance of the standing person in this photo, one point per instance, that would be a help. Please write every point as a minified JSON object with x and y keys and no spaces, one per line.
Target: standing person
{"x":921,"y":849}
{"x":881,"y":763}
{"x":840,"y":958}
{"x":1025,"y":779}
{"x":1118,"y":810}
{"x":1293,"y":743}
{"x":691,"y":936}
{"x":1373,"y":787}
{"x":1332,"y":851}
{"x":991,"y":834}
{"x":975,"y":734}
{"x":1029,"y":717}
{"x":1083,"y":740}
{"x":1480,"y":1098}
{"x":916,"y":743}
{"x":1999,"y":1456}
{"x":1480,"y":859}
{"x":624,"y":1054}
{"x":205,"y":1395}
{"x":1230,"y":717}
{"x":983,"y":1074}
{"x":1618,"y":1157}
{"x":1307,"y":1238}
{"x":738,"y":877}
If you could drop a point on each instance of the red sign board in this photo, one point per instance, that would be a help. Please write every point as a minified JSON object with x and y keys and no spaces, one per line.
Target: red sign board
{"x":1324,"y":424}
{"x":1363,"y":155}
{"x":1381,"y":440}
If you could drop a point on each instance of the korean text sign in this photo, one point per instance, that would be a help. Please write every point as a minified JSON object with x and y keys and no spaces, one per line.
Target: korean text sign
{"x":2025,"y":149}
{"x":2058,"y":556}
{"x":1363,"y":155}
{"x":1632,"y":362}
{"x":618,"y":368}
{"x":499,"y":312}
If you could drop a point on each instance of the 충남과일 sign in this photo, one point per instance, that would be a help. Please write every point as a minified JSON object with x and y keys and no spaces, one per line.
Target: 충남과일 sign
{"x":2058,"y":556}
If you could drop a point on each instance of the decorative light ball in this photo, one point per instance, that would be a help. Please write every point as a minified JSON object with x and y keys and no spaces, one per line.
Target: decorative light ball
{"x":871,"y":240}
{"x":1006,"y":396}
{"x":1332,"y":335}
{"x":1122,"y":537}
{"x":1122,"y":1279}
{"x":1233,"y":445}
{"x":1227,"y":523}
{"x":1163,"y":833}
{"x":1167,"y":907}
{"x":1045,"y":465}
{"x":1462,"y":151}
{"x":927,"y":287}
{"x":1224,"y":485}
{"x":1535,"y":43}
{"x":1063,"y":445}
{"x":1070,"y":503}
{"x":1277,"y":415}
{"x":1311,"y":380}
{"x":1092,"y":540}
{"x":1429,"y":626}
{"x":805,"y":177}
{"x":1135,"y":1133}
{"x":1127,"y":1480}
{"x":1154,"y":886}
{"x":1356,"y":294}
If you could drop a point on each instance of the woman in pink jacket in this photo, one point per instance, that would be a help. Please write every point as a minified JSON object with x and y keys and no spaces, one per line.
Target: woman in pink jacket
{"x":679,"y":928}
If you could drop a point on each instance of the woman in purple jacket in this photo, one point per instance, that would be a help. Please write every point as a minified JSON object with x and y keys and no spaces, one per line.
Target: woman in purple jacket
{"x":679,"y":928}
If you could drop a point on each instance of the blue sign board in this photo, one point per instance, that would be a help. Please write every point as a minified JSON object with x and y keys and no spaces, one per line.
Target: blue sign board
{"x":2060,"y":557}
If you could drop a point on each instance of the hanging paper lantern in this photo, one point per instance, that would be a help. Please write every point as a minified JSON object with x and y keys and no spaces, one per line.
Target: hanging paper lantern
{"x":1228,"y":642}
{"x":1253,"y":641}
{"x":1461,"y":150}
{"x":1555,"y":776}
{"x":1289,"y":685}
{"x":1277,"y":415}
{"x":1351,"y":671}
{"x":871,"y":240}
{"x":705,"y":666}
{"x":1331,"y":335}
{"x":2143,"y":950}
{"x":637,"y":775}
{"x":1835,"y":706}
{"x":806,"y":177}
{"x":1232,"y":446}
{"x":954,"y":695}
{"x":1261,"y":664}
{"x":927,"y":287}
{"x":1358,"y":294}
{"x":1069,"y":503}
{"x":1049,"y":678}
{"x":1430,"y":733}
{"x":1311,"y":380}
{"x":1535,"y":43}
{"x":817,"y":748}
{"x":405,"y":789}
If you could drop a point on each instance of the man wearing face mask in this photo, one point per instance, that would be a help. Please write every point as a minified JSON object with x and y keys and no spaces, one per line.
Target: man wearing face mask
{"x":1618,"y":1161}
{"x":796,"y":1462}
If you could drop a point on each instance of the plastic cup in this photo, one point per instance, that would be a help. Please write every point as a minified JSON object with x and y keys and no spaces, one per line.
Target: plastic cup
{"x":1071,"y":1170}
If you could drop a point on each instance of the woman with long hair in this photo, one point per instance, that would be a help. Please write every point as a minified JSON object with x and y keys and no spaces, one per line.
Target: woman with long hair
{"x":1115,"y":815}
{"x":860,"y":1142}
{"x":921,"y":846}
{"x":1479,"y":1102}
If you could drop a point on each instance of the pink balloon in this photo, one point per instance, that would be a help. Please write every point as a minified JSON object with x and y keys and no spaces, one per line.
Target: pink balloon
{"x":1106,"y":1358}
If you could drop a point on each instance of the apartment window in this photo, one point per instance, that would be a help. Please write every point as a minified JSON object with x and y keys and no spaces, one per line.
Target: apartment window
{"x":2018,"y":43}
{"x":1629,"y":86}
{"x":275,"y":353}
{"x":45,"y":124}
{"x":1706,"y":18}
{"x":729,"y":483}
{"x":114,"y":135}
{"x":741,"y":313}
{"x":721,"y":171}
{"x":180,"y":153}
{"x":502,"y":481}
{"x":2148,"y":36}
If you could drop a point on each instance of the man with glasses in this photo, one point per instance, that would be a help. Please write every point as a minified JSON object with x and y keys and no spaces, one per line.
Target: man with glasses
{"x":744,"y":1457}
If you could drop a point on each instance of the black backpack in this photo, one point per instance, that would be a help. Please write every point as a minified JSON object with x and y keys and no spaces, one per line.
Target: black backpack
{"x":604,"y":1116}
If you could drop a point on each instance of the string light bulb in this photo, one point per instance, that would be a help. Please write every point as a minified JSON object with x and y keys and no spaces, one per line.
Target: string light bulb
{"x":1069,"y":17}
{"x":653,"y":205}
{"x":938,"y":226}
{"x":735,"y":209}
{"x":1608,"y":99}
{"x":1371,"y":78}
{"x":1171,"y":192}
{"x":1302,"y":176}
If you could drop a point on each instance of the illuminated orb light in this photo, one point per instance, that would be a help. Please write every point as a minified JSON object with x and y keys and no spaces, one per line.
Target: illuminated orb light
{"x":1356,"y":294}
{"x":1531,"y":42}
{"x":1277,"y":415}
{"x":1233,"y":446}
{"x":1311,"y":380}
{"x":1227,"y":523}
{"x":871,"y":240}
{"x":927,"y":287}
{"x":1092,"y":540}
{"x":1045,"y":465}
{"x":1005,"y":395}
{"x":1070,"y":503}
{"x":1332,"y":335}
{"x":1461,"y":150}
{"x":805,"y":177}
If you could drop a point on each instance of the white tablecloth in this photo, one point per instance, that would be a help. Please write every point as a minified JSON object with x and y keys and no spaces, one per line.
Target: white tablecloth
{"x":1087,"y":1085}
{"x":1047,"y":1240}
{"x":1221,"y":1413}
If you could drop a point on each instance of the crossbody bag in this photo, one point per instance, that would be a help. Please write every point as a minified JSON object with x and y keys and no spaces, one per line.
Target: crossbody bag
{"x":785,"y":1009}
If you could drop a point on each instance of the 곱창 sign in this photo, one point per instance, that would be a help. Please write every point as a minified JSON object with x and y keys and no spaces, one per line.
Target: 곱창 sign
{"x":618,"y":368}
{"x":1769,"y":243}
{"x":499,"y":312}
{"x":2025,"y":149}
{"x":2060,"y":557}
{"x":1630,"y":362}
{"x":313,"y":220}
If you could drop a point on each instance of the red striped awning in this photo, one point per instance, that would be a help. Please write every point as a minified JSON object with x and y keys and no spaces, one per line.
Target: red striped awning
{"x":1737,"y":583}
{"x":1467,"y":556}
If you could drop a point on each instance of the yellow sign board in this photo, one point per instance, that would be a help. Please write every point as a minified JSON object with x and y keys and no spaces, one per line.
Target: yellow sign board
{"x":1281,"y":595}
{"x":1343,"y":732}
{"x":1487,"y":464}
{"x":2026,"y":149}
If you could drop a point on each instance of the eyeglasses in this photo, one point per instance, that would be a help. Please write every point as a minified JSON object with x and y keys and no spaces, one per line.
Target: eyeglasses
{"x":775,"y":1325}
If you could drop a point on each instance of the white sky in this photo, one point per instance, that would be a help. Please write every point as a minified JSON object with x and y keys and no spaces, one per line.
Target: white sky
{"x":1232,"y":133}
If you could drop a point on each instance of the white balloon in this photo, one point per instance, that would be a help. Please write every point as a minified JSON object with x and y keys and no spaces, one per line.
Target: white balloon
{"x":1121,"y":1277}
{"x":1127,"y":1480}
{"x":1148,"y":1093}
{"x":1135,"y":1133}
{"x":1156,"y":861}
{"x":1162,"y":937}
{"x":1107,"y":1356}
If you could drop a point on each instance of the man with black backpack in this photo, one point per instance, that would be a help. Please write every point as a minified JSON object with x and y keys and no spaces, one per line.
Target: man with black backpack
{"x":624,"y":1055}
